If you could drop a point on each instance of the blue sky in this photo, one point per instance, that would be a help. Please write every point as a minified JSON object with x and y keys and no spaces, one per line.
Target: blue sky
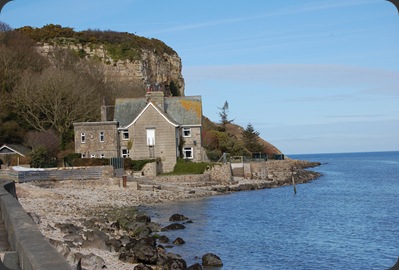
{"x":312,"y":76}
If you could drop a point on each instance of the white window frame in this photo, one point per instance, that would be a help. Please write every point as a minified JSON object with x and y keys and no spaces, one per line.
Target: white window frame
{"x":150,"y":136}
{"x":83,"y":156}
{"x":82,"y":137}
{"x":102,"y":136}
{"x":102,"y":155}
{"x":93,"y":156}
{"x":126,"y":154}
{"x":125,"y":134}
{"x":186,"y":130}
{"x":188,"y":149}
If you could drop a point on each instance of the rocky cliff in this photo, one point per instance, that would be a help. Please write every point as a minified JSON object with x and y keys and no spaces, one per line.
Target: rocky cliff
{"x":150,"y":68}
{"x":124,"y":57}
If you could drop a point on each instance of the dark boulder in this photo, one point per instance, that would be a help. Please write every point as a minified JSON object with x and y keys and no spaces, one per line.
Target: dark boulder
{"x":128,"y":257}
{"x":92,"y":235}
{"x":163,"y":239}
{"x":96,"y":239}
{"x":196,"y":266}
{"x":141,"y":231}
{"x":161,"y":249}
{"x":177,"y":217}
{"x":68,"y":228}
{"x":145,"y":250}
{"x":142,"y":267}
{"x":90,"y":261}
{"x":173,"y":226}
{"x":143,"y":219}
{"x":179,"y":241}
{"x":74,"y":238}
{"x":210,"y":259}
{"x":114,"y":244}
{"x":174,"y":262}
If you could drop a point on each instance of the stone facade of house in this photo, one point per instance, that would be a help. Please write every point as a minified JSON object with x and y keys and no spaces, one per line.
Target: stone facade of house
{"x":96,"y":139}
{"x":158,"y":127}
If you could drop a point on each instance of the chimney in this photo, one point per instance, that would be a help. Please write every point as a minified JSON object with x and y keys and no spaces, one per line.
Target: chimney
{"x":103,"y":112}
{"x":156,"y":97}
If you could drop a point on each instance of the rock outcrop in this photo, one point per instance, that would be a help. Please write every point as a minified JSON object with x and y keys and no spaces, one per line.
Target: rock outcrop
{"x":150,"y":68}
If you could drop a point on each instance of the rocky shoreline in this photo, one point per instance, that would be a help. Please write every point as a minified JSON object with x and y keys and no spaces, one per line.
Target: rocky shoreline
{"x":96,"y":224}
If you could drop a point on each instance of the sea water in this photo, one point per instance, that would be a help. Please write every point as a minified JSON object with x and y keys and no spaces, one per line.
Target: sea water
{"x":346,"y":219}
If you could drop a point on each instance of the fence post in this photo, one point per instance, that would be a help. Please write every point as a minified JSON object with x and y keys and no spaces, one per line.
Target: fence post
{"x":124,"y":180}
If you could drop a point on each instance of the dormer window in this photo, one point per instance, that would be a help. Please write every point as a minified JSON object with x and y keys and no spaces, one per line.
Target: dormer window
{"x":186,"y":132}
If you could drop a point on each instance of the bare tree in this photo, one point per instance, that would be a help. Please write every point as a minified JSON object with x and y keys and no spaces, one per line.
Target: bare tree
{"x":45,"y":139}
{"x":55,"y":99}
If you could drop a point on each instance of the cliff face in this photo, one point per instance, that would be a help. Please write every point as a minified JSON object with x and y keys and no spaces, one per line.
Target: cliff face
{"x":150,"y":67}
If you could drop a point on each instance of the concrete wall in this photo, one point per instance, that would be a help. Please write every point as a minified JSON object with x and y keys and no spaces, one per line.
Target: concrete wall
{"x":34,"y":251}
{"x":59,"y":174}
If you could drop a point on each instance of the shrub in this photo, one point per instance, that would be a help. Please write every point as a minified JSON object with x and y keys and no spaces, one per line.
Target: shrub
{"x":136,"y":165}
{"x":185,"y":166}
{"x":90,"y":162}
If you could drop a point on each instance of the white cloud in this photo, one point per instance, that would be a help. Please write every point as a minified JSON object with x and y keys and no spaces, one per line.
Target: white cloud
{"x":322,"y":76}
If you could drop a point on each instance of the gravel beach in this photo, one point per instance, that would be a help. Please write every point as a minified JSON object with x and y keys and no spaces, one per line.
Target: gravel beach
{"x":56,"y":205}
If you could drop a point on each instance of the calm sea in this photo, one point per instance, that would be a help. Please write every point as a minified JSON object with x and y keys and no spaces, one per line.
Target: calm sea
{"x":347,"y":219}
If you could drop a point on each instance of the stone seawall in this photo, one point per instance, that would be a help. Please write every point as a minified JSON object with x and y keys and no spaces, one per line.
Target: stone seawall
{"x":214,"y":175}
{"x":34,"y":251}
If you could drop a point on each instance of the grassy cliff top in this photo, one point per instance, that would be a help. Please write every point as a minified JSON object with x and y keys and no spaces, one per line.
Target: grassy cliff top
{"x":65,"y":35}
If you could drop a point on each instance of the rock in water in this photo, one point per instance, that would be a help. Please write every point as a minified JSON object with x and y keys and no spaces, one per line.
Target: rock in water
{"x":173,"y":226}
{"x":177,"y":217}
{"x":210,"y":259}
{"x":179,"y":241}
{"x":196,"y":266}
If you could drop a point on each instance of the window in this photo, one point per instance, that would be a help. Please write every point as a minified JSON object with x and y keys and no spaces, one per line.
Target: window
{"x":125,"y":134}
{"x":188,"y":152}
{"x":83,"y":155}
{"x":186,"y":132}
{"x":101,"y":136}
{"x":151,"y":136}
{"x":102,"y":156}
{"x":125,"y":153}
{"x":93,"y":155}
{"x":82,"y":137}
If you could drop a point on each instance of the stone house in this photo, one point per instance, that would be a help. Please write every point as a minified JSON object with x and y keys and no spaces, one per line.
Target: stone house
{"x":154,"y":126}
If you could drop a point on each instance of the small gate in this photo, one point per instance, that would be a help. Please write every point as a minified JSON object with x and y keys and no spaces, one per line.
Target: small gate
{"x":119,"y":166}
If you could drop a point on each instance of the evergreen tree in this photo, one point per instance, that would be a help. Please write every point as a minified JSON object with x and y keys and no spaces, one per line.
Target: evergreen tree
{"x":250,"y":139}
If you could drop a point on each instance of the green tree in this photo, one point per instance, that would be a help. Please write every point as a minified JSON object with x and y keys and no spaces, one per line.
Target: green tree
{"x":39,"y":158}
{"x":250,"y":138}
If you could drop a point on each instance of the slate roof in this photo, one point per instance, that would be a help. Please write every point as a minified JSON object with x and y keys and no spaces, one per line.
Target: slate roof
{"x":14,"y":149}
{"x":186,"y":111}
